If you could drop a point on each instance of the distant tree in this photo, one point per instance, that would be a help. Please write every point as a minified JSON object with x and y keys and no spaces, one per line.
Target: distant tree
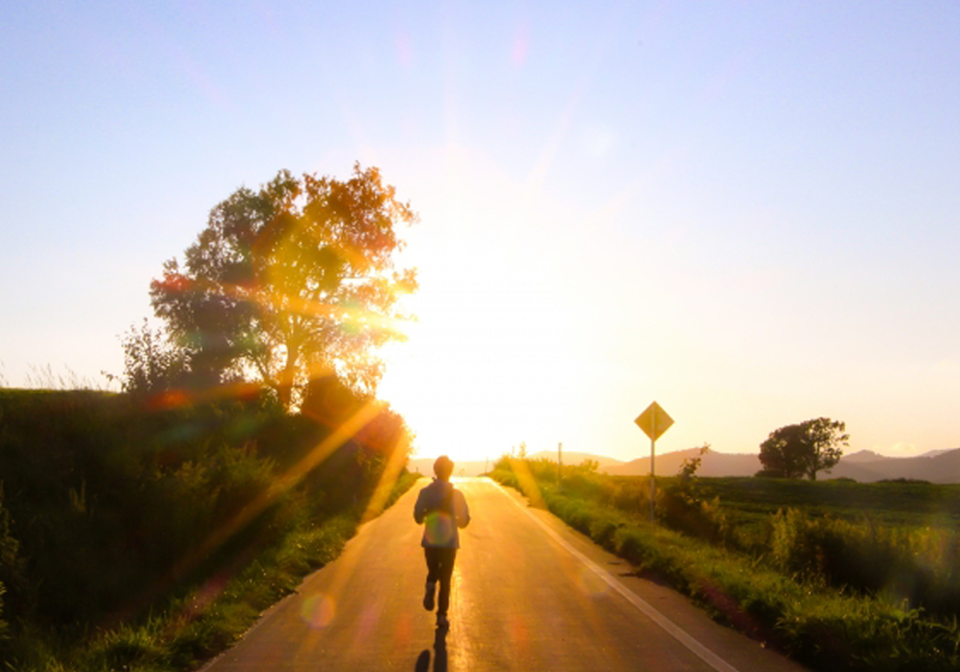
{"x":688,"y":468}
{"x":522,"y":451}
{"x":293,"y":280}
{"x":588,"y":466}
{"x":151,"y":363}
{"x":794,"y":451}
{"x":783,"y":452}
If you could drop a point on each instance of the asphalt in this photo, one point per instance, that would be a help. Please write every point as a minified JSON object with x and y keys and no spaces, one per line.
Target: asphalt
{"x":529,"y":594}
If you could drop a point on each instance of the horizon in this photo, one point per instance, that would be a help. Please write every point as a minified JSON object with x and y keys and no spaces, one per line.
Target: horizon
{"x":747,"y":214}
{"x":546,"y":454}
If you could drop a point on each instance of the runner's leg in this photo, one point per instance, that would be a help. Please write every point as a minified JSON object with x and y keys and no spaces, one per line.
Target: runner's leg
{"x":447,"y":557}
{"x":433,"y":563}
{"x":433,"y":573}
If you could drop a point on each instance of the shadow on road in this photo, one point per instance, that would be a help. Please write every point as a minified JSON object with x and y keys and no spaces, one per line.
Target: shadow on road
{"x":440,"y":654}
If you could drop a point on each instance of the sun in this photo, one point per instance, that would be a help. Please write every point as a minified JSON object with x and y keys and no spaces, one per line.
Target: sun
{"x":476,"y":376}
{"x":496,"y":354}
{"x":439,"y":391}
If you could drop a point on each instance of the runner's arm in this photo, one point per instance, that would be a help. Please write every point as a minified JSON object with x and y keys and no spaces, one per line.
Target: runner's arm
{"x":461,"y":510}
{"x":419,"y":509}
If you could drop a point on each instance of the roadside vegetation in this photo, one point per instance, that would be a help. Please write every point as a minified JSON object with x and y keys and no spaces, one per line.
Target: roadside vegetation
{"x":149,"y":537}
{"x":839,"y":575}
{"x":145,"y":530}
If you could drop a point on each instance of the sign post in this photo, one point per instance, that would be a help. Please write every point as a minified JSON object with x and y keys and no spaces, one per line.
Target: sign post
{"x":654,"y":421}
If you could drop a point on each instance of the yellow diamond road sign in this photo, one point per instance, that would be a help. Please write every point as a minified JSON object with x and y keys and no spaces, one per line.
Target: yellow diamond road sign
{"x":654,"y":421}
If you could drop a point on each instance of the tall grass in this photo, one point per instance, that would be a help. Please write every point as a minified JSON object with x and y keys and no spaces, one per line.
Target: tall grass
{"x":112,"y":509}
{"x":920,"y":567}
{"x":865,"y":552}
{"x":45,"y":378}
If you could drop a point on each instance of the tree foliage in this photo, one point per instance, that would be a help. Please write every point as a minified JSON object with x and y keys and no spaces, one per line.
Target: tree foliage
{"x":295,"y":279}
{"x":803,"y":449}
{"x":151,"y":363}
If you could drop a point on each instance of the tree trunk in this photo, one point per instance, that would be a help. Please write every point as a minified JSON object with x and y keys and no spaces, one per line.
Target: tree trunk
{"x":288,"y":376}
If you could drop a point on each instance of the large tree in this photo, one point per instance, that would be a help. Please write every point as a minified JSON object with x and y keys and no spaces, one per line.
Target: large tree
{"x":794,"y":451}
{"x":294,"y":280}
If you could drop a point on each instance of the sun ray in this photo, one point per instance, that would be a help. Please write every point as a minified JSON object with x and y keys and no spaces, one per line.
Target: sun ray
{"x":293,"y":304}
{"x":528,"y":484}
{"x":281,"y":485}
{"x":396,"y":461}
{"x":344,"y":568}
{"x":564,"y":121}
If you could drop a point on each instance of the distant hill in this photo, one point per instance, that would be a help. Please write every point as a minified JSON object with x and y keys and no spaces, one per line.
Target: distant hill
{"x":668,"y":464}
{"x":865,"y":466}
{"x":935,"y":466}
{"x":939,"y":466}
{"x":864,"y":456}
{"x":934,"y":453}
{"x":870,"y":456}
{"x":424,"y":465}
{"x":574,"y":459}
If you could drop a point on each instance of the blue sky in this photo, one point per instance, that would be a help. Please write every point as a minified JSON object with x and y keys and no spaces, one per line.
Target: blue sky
{"x":746,"y":211}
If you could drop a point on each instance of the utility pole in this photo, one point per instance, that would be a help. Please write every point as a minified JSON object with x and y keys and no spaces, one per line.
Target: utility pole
{"x":560,"y":466}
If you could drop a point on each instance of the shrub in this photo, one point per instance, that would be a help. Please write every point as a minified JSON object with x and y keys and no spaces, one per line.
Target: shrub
{"x":113,"y":497}
{"x":11,"y":563}
{"x":921,"y":567}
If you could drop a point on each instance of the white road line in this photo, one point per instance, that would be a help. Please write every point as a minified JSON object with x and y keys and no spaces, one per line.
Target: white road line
{"x":702,"y":652}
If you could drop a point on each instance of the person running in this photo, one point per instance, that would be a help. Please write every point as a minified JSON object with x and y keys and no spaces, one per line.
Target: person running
{"x":442,"y":509}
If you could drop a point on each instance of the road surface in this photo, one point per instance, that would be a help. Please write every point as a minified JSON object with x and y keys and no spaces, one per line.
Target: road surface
{"x":529,"y":594}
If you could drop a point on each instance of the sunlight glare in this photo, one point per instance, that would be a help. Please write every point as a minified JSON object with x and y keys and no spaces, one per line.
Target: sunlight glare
{"x":483,"y":368}
{"x":498,"y":355}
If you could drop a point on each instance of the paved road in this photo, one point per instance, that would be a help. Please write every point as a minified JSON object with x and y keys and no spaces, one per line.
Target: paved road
{"x":528,"y":594}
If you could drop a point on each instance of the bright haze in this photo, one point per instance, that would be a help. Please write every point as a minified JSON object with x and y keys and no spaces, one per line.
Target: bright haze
{"x":749,"y":213}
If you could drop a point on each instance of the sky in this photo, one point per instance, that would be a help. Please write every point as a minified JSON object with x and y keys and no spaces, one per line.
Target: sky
{"x":748,"y":212}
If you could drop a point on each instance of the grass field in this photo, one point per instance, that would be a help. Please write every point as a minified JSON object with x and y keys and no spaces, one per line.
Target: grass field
{"x":889,"y":503}
{"x":912,"y":511}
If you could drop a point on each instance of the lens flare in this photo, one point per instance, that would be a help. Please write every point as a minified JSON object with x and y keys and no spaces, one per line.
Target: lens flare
{"x":403,"y":632}
{"x":439,"y":528}
{"x":591,"y":584}
{"x":318,"y":611}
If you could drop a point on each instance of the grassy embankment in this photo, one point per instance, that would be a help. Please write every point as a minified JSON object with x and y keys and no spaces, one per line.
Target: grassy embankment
{"x":149,"y":538}
{"x":840,"y":575}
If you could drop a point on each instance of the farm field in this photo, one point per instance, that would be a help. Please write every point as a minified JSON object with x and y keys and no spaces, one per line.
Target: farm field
{"x":897,"y":503}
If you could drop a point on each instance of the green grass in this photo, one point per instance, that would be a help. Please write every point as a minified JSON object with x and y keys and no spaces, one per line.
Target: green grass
{"x":801,"y":613}
{"x":111,"y":512}
{"x":892,"y":503}
{"x":208,"y":618}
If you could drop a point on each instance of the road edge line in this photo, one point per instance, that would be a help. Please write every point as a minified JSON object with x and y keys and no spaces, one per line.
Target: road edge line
{"x":672,"y":629}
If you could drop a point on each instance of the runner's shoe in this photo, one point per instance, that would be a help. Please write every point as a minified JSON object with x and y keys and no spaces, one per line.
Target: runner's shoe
{"x":428,"y":594}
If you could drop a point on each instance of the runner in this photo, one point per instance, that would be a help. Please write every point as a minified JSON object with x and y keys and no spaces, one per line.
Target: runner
{"x":443,"y":509}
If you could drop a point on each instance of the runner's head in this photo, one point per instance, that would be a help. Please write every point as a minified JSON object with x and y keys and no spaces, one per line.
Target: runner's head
{"x":443,"y":467}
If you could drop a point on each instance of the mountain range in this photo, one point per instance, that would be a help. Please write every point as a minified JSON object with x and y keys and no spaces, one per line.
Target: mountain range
{"x":937,"y":466}
{"x":424,"y":465}
{"x":865,"y":466}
